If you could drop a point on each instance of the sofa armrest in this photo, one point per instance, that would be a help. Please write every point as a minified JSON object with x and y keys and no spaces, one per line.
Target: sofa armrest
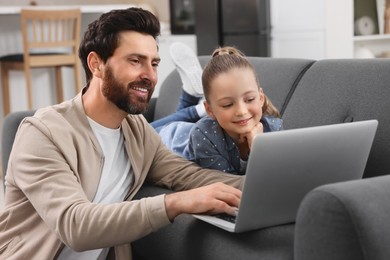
{"x":345,"y":221}
{"x":189,"y":238}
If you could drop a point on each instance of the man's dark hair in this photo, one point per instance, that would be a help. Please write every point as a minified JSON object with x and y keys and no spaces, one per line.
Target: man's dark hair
{"x":102,"y":34}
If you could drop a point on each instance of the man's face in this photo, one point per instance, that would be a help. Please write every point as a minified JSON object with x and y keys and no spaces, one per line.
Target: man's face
{"x":130,"y":75}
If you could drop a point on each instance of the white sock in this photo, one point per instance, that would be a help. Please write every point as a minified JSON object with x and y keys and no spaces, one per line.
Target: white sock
{"x":201,"y":110}
{"x":189,"y":68}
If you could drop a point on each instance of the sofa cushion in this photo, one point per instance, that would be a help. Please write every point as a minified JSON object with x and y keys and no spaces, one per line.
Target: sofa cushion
{"x":189,"y":238}
{"x":344,"y":90}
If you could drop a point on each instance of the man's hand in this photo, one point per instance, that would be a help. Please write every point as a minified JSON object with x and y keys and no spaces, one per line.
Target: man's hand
{"x":211,"y":199}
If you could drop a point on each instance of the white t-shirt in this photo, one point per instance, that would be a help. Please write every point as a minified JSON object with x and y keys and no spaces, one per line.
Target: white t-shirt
{"x":115,"y":182}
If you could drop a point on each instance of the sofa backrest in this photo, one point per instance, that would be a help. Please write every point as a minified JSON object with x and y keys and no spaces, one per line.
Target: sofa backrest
{"x":277,"y":77}
{"x":10,"y":126}
{"x":311,"y":93}
{"x":345,"y":90}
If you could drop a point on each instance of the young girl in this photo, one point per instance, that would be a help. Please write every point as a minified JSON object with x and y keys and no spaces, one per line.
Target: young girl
{"x":237,"y":110}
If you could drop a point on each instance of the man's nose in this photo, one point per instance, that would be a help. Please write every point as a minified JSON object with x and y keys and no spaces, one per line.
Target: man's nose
{"x":149,"y":72}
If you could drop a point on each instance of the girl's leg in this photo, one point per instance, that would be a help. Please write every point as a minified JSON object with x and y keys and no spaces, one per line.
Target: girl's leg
{"x":188,"y":114}
{"x":190,"y":71}
{"x":187,"y":100}
{"x":188,"y":66}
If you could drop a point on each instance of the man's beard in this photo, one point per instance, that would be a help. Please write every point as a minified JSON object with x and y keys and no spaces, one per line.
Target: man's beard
{"x":119,"y":95}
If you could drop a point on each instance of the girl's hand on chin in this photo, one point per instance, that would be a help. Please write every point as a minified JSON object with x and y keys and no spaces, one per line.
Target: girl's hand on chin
{"x":249,"y":136}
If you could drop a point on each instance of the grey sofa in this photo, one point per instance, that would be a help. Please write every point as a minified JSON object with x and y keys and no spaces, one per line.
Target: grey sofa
{"x":348,"y":221}
{"x":345,"y":221}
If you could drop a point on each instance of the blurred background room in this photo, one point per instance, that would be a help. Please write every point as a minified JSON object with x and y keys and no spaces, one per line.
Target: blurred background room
{"x":321,"y":29}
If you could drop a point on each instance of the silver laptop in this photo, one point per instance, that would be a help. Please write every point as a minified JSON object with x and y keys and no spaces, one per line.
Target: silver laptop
{"x":284,"y":166}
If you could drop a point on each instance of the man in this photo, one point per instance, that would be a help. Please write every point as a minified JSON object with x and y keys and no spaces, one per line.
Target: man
{"x":75,"y":167}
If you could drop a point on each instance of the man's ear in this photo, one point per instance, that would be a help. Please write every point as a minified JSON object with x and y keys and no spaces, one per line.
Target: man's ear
{"x":208,"y":109}
{"x":95,"y":64}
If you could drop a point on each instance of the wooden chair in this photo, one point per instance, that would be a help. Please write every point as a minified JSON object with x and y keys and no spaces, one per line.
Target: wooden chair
{"x":50,"y":39}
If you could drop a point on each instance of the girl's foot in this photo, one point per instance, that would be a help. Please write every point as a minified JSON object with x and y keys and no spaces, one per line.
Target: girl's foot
{"x":188,"y":66}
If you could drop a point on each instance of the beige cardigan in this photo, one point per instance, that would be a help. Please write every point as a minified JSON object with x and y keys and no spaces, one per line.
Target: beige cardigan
{"x":53,"y":174}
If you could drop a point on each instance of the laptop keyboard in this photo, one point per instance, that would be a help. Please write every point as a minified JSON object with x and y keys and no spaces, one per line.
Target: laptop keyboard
{"x":227,"y":217}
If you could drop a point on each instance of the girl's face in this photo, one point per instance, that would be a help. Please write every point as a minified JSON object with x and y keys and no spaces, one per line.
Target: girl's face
{"x":235,"y":101}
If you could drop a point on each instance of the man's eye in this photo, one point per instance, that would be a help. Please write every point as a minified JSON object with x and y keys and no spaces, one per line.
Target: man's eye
{"x":155,"y":64}
{"x":226,"y":105}
{"x":134,"y":61}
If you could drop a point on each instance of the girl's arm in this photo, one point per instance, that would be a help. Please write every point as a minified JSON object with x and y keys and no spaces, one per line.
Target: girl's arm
{"x":213,"y":151}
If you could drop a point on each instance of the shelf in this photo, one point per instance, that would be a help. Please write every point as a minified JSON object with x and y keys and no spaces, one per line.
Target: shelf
{"x":376,"y":37}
